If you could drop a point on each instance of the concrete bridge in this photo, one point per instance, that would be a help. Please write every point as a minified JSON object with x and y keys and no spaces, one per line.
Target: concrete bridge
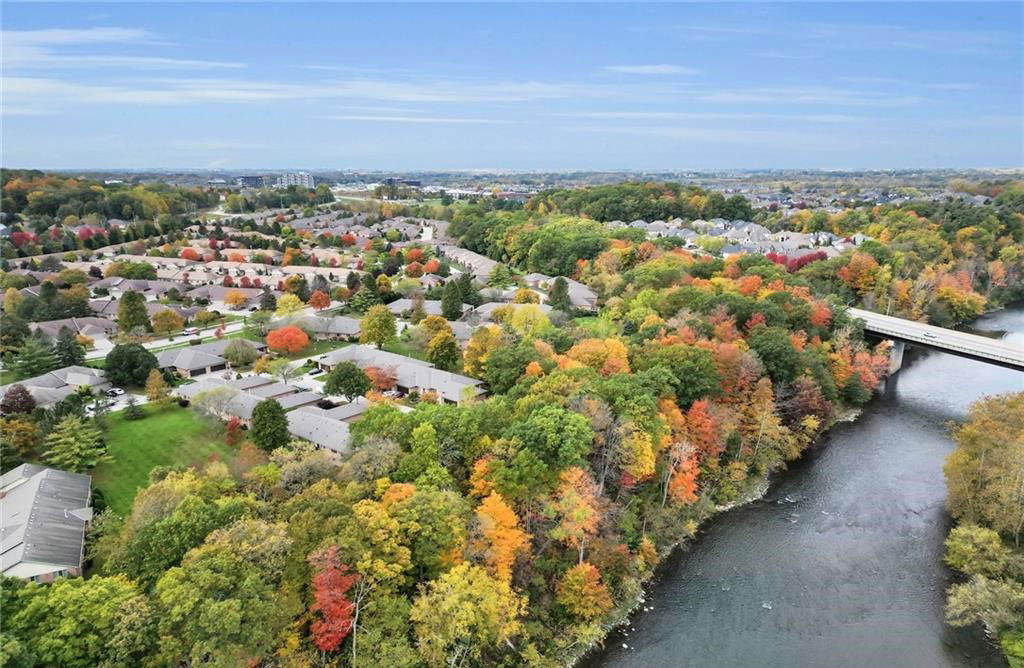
{"x":972,"y":346}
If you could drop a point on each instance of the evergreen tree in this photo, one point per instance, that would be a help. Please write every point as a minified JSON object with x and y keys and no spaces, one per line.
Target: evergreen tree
{"x":417,"y":312}
{"x":34,"y":358}
{"x":451,"y":301}
{"x":470,"y":295}
{"x":131,"y":312}
{"x":269,"y":425}
{"x":75,"y":445}
{"x":558,"y":298}
{"x":268,"y":302}
{"x":69,"y":352}
{"x":363,"y":300}
{"x":133,"y":411}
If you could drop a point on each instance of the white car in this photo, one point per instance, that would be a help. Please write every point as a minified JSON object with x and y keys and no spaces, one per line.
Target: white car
{"x":190,"y":331}
{"x":115,"y":392}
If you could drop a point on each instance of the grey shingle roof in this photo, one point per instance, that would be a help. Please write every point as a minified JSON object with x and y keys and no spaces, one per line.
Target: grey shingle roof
{"x":44,"y":516}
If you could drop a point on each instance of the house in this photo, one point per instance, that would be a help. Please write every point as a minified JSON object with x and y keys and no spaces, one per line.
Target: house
{"x":431,"y":281}
{"x":214,"y":294}
{"x":538,"y":281}
{"x":479,"y":265}
{"x":91,"y":327}
{"x":242,"y":395}
{"x":581,"y":296}
{"x":150,"y":289}
{"x":314,"y":425}
{"x":195,"y":360}
{"x":410,"y":374}
{"x":50,"y":388}
{"x":107,"y":308}
{"x":45,"y":514}
{"x":403,"y":307}
{"x":337,"y":328}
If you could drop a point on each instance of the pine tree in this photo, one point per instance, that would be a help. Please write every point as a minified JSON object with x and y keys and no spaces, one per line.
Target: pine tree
{"x":75,"y":445}
{"x":69,"y":352}
{"x":451,"y":301}
{"x":133,"y":411}
{"x":558,"y":299}
{"x":33,"y":359}
{"x":470,"y":295}
{"x":268,"y":302}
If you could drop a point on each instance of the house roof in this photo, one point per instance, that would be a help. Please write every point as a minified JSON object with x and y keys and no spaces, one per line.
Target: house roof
{"x":187,"y":358}
{"x":314,"y":425}
{"x":44,"y":516}
{"x":51,"y":387}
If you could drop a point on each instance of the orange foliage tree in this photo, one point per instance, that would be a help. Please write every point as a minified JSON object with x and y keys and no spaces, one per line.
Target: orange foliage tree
{"x":319,"y":300}
{"x":500,"y":539}
{"x":287,"y":339}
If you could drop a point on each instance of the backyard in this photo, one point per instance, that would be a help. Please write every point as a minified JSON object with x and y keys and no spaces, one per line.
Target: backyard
{"x":169,"y":436}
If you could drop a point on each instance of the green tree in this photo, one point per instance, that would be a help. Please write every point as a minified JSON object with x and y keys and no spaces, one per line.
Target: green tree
{"x":977,"y":550}
{"x":79,"y":623}
{"x":377,"y":326}
{"x":129,"y":364}
{"x":364,"y":299}
{"x":451,"y":301}
{"x":505,"y":365}
{"x":75,"y":445}
{"x":558,"y":298}
{"x":422,"y":463}
{"x":268,"y":302}
{"x":68,"y":350}
{"x":269,"y":425}
{"x":131,"y":312}
{"x":33,"y":359}
{"x":775,"y":350}
{"x":417,"y":312}
{"x":240,"y":353}
{"x":132,"y":411}
{"x":558,"y":437}
{"x":443,"y":351}
{"x":259,"y":321}
{"x":347,"y":380}
{"x":693,"y":369}
{"x":469,"y":292}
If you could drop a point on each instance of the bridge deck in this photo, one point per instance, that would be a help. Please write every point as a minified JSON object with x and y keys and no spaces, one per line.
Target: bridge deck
{"x":940,"y":338}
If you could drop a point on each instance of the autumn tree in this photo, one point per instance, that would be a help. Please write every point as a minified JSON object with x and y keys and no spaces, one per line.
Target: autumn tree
{"x":166,"y":322}
{"x":443,"y":351}
{"x":319,"y":300}
{"x":574,"y":508}
{"x":17,"y":399}
{"x":582,"y":593}
{"x":157,"y":391}
{"x":331,"y":582}
{"x":484,"y":341}
{"x":499,"y":540}
{"x":377,"y":326}
{"x":236,"y":299}
{"x":288,"y":305}
{"x":131,"y":312}
{"x":463,"y":614}
{"x":288,"y":339}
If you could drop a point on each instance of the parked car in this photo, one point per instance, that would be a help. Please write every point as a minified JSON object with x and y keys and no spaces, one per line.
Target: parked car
{"x":115,"y":392}
{"x":316,"y":371}
{"x":190,"y":331}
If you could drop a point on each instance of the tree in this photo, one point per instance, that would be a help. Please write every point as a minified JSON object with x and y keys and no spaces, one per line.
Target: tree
{"x":319,"y":300}
{"x":348,"y":380}
{"x":260,"y":320}
{"x":281,"y":367}
{"x":269,"y":425}
{"x":558,"y":298}
{"x":470,"y":294}
{"x":133,"y":411}
{"x":693,"y":369}
{"x":558,"y":437}
{"x":525,"y":296}
{"x":288,"y":305}
{"x":33,"y":359}
{"x":331,"y":582}
{"x":167,"y":322}
{"x":240,"y":353}
{"x":463,"y":613}
{"x":977,"y":550}
{"x":499,"y":539}
{"x":157,"y":391}
{"x":131,"y":312}
{"x":582,"y":593}
{"x":21,"y":434}
{"x":129,"y":364}
{"x":236,"y":299}
{"x":268,"y":302}
{"x":377,"y":326}
{"x":529,"y":320}
{"x":81,"y":623}
{"x":289,"y":339}
{"x":775,"y":350}
{"x":451,"y":301}
{"x":17,"y":399}
{"x":575,"y":508}
{"x":12,"y":300}
{"x":418,"y":311}
{"x":443,"y":351}
{"x":75,"y":445}
{"x":484,"y":341}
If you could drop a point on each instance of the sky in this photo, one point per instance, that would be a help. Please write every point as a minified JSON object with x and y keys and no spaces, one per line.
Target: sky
{"x":512,"y":86}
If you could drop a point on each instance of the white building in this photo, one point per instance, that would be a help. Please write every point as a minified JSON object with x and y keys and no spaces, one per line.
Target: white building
{"x":296,"y":179}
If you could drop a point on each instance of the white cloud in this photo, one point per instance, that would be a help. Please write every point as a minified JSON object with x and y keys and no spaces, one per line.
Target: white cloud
{"x":810,"y":95}
{"x":713,"y":116}
{"x":46,"y":49}
{"x":651,"y":69}
{"x":413,"y":119}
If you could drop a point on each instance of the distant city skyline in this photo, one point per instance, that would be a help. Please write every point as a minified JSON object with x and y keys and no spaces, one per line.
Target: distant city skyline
{"x":540,"y":87}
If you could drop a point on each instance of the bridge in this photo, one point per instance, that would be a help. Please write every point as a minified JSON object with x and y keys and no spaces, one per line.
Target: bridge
{"x":950,"y":341}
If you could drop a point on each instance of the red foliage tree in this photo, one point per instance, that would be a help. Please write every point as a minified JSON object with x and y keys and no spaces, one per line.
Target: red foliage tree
{"x":331,"y":582}
{"x":319,"y":300}
{"x":347,"y":239}
{"x":432,"y":266}
{"x":257,"y":283}
{"x":414,"y":255}
{"x":189,"y":253}
{"x":234,"y":433}
{"x":245,"y":282}
{"x":414,"y":270}
{"x":228,"y":282}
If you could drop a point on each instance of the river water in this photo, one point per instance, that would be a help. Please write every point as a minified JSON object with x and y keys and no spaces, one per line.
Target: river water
{"x":841,"y":563}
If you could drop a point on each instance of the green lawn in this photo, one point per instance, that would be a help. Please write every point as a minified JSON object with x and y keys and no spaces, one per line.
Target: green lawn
{"x":172,"y":436}
{"x":400,"y":347}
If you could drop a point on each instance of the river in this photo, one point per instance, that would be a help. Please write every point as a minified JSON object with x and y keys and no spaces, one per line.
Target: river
{"x":841,"y":563}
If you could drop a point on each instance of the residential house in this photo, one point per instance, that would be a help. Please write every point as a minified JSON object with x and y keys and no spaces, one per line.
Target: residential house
{"x":195,"y":360}
{"x":45,"y":514}
{"x":336,"y":328}
{"x":91,"y":327}
{"x":403,"y":307}
{"x":51,"y":387}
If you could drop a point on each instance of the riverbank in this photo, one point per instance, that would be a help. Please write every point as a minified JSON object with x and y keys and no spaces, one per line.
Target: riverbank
{"x":755,"y":489}
{"x":840,"y":563}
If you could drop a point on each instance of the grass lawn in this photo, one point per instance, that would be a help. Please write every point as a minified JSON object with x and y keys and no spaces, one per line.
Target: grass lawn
{"x":172,"y":436}
{"x":400,"y":347}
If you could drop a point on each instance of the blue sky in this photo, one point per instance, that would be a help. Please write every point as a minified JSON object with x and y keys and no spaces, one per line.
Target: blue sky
{"x":482,"y":86}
